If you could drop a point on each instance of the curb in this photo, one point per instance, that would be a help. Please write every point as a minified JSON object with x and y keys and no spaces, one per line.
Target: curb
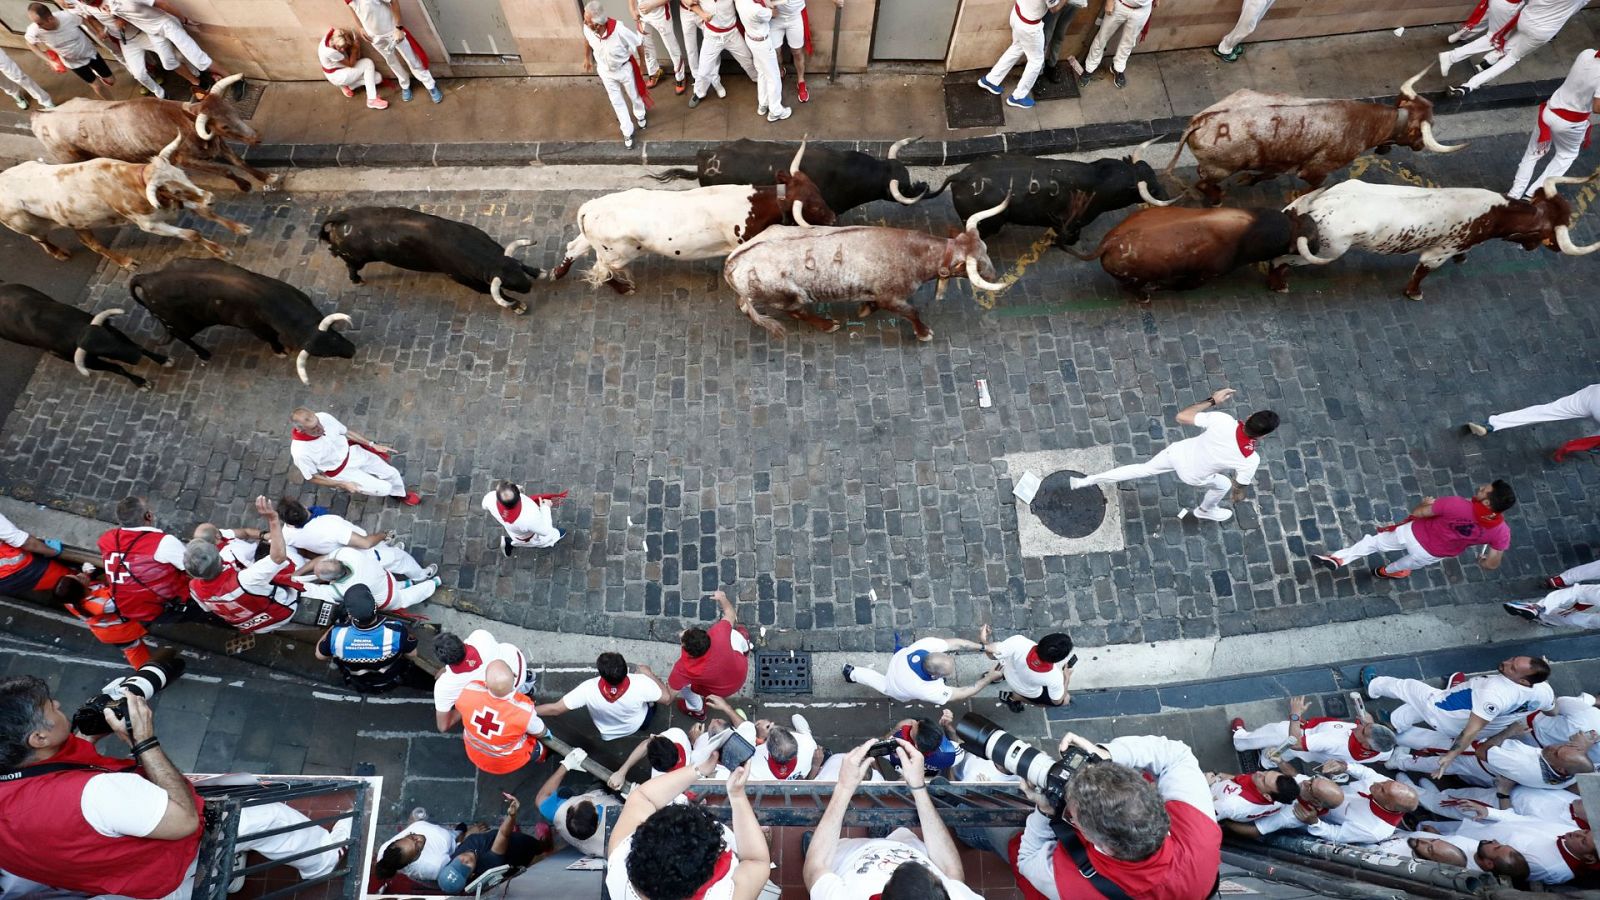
{"x":1098,"y":136}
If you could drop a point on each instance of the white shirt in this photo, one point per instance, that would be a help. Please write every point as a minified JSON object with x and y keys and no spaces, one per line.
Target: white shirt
{"x":1233,"y":806}
{"x":757,"y":19}
{"x":438,"y":847}
{"x":1034,"y":10}
{"x":786,"y":10}
{"x":141,"y":14}
{"x":1400,"y":846}
{"x":528,"y":519}
{"x":1012,"y":654}
{"x":1535,"y":840}
{"x":122,"y":804}
{"x":862,"y":866}
{"x":1554,"y":807}
{"x":611,"y":54}
{"x":330,"y":57}
{"x":1522,"y":763}
{"x":237,"y":551}
{"x":68,"y":40}
{"x":11,"y":534}
{"x":1582,"y":85}
{"x":1356,"y":820}
{"x":103,"y":13}
{"x":1570,"y":716}
{"x":618,"y":718}
{"x":481,"y":645}
{"x":1215,"y":451}
{"x":1542,"y":19}
{"x":256,"y":578}
{"x":904,"y":683}
{"x":322,"y":535}
{"x":376,"y":16}
{"x":1331,"y":740}
{"x":679,"y":739}
{"x":323,"y":454}
{"x":723,"y":13}
{"x":761,"y":762}
{"x":620,"y":888}
{"x":365,"y":569}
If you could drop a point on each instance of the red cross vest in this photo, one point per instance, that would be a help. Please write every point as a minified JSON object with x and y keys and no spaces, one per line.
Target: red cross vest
{"x":496,"y":730}
{"x":227,"y":599}
{"x":140,"y":585}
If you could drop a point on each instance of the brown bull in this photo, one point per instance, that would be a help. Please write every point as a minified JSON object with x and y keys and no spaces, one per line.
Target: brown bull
{"x":1267,"y":135}
{"x":1179,"y":248}
{"x":135,"y":130}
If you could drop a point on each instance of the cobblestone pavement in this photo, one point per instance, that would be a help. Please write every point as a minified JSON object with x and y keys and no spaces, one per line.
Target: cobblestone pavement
{"x":810,"y":474}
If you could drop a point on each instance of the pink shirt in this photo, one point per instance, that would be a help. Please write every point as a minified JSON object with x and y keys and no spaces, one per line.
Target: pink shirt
{"x":1453,"y":529}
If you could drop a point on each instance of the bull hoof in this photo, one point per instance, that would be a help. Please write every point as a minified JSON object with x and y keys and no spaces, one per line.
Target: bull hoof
{"x":169,"y":362}
{"x":283,"y":355}
{"x":129,"y":264}
{"x":925,"y":337}
{"x":274,"y":183}
{"x":145,"y":387}
{"x":832,"y":328}
{"x":520,"y":309}
{"x":241,"y":230}
{"x":1281,"y":290}
{"x":1413,"y":295}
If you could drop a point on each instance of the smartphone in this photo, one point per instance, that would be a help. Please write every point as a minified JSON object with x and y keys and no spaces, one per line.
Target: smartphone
{"x":1072,"y":661}
{"x":509,"y":798}
{"x":882,"y":748}
{"x":736,"y":751}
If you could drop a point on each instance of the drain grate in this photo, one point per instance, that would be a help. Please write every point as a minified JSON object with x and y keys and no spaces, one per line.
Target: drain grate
{"x":783,"y":672}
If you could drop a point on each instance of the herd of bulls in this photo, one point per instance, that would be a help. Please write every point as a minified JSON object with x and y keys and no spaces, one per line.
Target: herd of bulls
{"x":770,"y":209}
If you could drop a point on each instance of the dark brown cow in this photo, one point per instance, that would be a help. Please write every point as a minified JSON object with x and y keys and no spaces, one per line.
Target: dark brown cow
{"x":1177,"y":248}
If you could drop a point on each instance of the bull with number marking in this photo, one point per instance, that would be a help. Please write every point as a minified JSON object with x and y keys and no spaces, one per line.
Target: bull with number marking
{"x":32,"y":319}
{"x":1438,"y":223}
{"x":792,"y":267}
{"x":701,"y":223}
{"x":1266,"y":135}
{"x":191,"y":295}
{"x":846,"y":178}
{"x":408,"y":239}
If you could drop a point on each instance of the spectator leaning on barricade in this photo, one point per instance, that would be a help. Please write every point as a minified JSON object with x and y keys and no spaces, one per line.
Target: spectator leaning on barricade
{"x":619,"y":703}
{"x":128,"y":828}
{"x":578,"y":820}
{"x":256,"y":599}
{"x":374,"y":653}
{"x":670,"y":751}
{"x":664,"y":849}
{"x":713,"y":662}
{"x":466,"y":661}
{"x":781,"y":754}
{"x":28,"y":565}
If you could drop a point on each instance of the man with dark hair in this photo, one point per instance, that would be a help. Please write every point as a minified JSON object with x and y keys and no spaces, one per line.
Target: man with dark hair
{"x":713,"y":661}
{"x":665,"y":850}
{"x":1438,"y":528}
{"x":464,"y":662}
{"x":143,"y":564}
{"x":28,"y":565}
{"x":1464,"y":710}
{"x":621,"y":704}
{"x":576,"y":819}
{"x":901,"y":866}
{"x":938,"y":743}
{"x":61,"y":34}
{"x":1037,"y":673}
{"x":1225,"y":446}
{"x":374,"y":653}
{"x":529,"y":520}
{"x":480,"y":852}
{"x":1253,"y":795}
{"x":670,"y":751}
{"x":419,"y":851}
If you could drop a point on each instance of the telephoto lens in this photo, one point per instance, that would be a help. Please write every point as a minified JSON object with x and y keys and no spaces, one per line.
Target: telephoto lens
{"x":1009,"y":753}
{"x":145,"y":681}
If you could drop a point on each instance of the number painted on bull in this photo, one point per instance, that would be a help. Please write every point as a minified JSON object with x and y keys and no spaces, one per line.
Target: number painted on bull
{"x":713,"y":165}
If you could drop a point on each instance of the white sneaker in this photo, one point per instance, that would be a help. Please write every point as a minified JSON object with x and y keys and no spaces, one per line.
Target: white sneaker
{"x":1219,"y":514}
{"x":1444,"y":63}
{"x":47,"y":104}
{"x":1075,"y":482}
{"x":780,"y":116}
{"x":800,"y":723}
{"x":721,"y":92}
{"x":761,"y":110}
{"x":21,"y":101}
{"x":430,"y":571}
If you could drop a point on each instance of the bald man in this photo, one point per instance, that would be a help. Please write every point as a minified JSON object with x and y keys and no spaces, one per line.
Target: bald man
{"x":348,"y":566}
{"x":331,"y":455}
{"x":499,"y":726}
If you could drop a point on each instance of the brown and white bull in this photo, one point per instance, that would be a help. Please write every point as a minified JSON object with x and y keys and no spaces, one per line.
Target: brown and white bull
{"x":700,"y":223}
{"x":1438,"y":223}
{"x":36,"y":197}
{"x":135,"y":130}
{"x":1267,"y":135}
{"x":792,"y":267}
{"x":1180,"y":248}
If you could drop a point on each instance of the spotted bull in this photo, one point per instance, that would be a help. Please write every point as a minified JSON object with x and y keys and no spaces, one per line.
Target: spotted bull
{"x":701,"y":223}
{"x":32,"y":319}
{"x":793,"y":267}
{"x":1182,"y":248}
{"x":191,"y":295}
{"x":1437,"y":223}
{"x":846,"y":178}
{"x":1266,"y":135}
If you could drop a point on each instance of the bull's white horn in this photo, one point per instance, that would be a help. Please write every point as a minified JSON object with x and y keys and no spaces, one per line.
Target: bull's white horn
{"x":794,"y":165}
{"x":894,"y":191}
{"x":975,"y":278}
{"x":1432,"y":144}
{"x":328,"y":320}
{"x":494,"y":291}
{"x":1550,"y":184}
{"x":800,"y":219}
{"x":202,"y":128}
{"x":1150,"y":198}
{"x":101,"y":317}
{"x":224,"y":84}
{"x":975,"y":218}
{"x":79,"y":357}
{"x":1409,"y":88}
{"x":300,"y":367}
{"x":894,"y":150}
{"x":518,"y":244}
{"x":168,"y":150}
{"x":150,"y":194}
{"x":1305,"y":251}
{"x":1139,"y":150}
{"x":1564,"y":241}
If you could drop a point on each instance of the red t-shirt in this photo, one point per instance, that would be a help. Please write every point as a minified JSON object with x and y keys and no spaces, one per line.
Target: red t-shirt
{"x":1185,"y":868}
{"x":721,"y":671}
{"x":1453,"y":529}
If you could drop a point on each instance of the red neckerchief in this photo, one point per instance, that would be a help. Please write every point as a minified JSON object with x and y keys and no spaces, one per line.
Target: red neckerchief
{"x":1035,"y":664}
{"x":469,"y":663}
{"x":1486,"y":517}
{"x":1247,"y":444}
{"x":782,"y":770}
{"x":509,"y":513}
{"x":1582,"y":822}
{"x":611,"y":27}
{"x":1359,"y":751}
{"x":299,"y":435}
{"x":328,"y":41}
{"x":724,"y":862}
{"x":683,"y":758}
{"x":613,"y":694}
{"x":1250,"y":792}
{"x":1574,"y":863}
{"x":1393,"y":818}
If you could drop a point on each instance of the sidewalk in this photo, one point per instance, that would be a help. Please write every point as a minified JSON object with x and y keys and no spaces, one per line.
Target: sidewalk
{"x":520,"y":121}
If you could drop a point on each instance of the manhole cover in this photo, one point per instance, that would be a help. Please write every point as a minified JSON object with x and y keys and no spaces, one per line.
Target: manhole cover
{"x":1067,"y":512}
{"x":783,"y":672}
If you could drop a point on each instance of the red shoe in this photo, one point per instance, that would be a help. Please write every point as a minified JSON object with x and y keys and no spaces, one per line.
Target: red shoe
{"x":654,"y":79}
{"x":1455,"y":680}
{"x":1236,"y":726}
{"x":684,"y":708}
{"x":679,"y":87}
{"x":802,"y":93}
{"x":348,"y":92}
{"x":412,"y":498}
{"x":1396,"y":575}
{"x":1554,"y":582}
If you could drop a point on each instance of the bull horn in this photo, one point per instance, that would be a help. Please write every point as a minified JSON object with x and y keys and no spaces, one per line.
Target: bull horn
{"x":518,"y":244}
{"x":894,"y":150}
{"x":300,"y":366}
{"x":1304,"y":246}
{"x":224,"y":84}
{"x":166,"y":152}
{"x":1144,"y":192}
{"x":1429,"y":142}
{"x":1139,"y":150}
{"x":1550,"y":184}
{"x":798,"y":218}
{"x":975,"y":278}
{"x":150,"y":194}
{"x":202,"y":128}
{"x":328,"y":320}
{"x":1564,"y":241}
{"x":494,"y":291}
{"x":894,"y":191}
{"x":1409,"y":88}
{"x":975,"y":218}
{"x":101,"y":317}
{"x":794,"y":165}
{"x":79,"y":357}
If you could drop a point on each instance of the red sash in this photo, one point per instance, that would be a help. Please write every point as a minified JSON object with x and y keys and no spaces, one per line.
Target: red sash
{"x":805,"y":22}
{"x":1499,"y":39}
{"x":1018,"y":8}
{"x":638,"y":81}
{"x":736,"y":24}
{"x":1479,"y":13}
{"x":1581,"y":444}
{"x":1569,"y":115}
{"x":422,"y":55}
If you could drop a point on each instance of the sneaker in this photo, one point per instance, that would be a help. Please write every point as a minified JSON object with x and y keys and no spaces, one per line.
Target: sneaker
{"x":802,"y":93}
{"x":1476,"y":429}
{"x":761,"y":110}
{"x":1085,"y":78}
{"x":1460,"y":91}
{"x":505,"y":545}
{"x":848,"y":671}
{"x":1020,"y":102}
{"x":1444,"y":63}
{"x":1077,"y":483}
{"x":237,"y":884}
{"x":654,"y":79}
{"x":627,"y":142}
{"x":437,"y":581}
{"x":405,"y":93}
{"x":21,"y":101}
{"x":1396,"y":575}
{"x":1456,"y":36}
{"x":694,"y":100}
{"x":780,"y":116}
{"x":679,"y":87}
{"x":1236,"y":726}
{"x":348,"y":92}
{"x":47,"y":104}
{"x":698,"y":716}
{"x":377,"y":103}
{"x":1011,"y":702}
{"x":1455,"y":679}
{"x":420,"y":814}
{"x":722,"y":92}
{"x":430,"y":571}
{"x":1120,"y":79}
{"x":1219,"y":514}
{"x":435,"y":94}
{"x":800,"y":723}
{"x":412,"y":498}
{"x":1331,"y":563}
{"x":994,"y":89}
{"x":643,"y":124}
{"x":1555,"y":582}
{"x":1365,"y":678}
{"x":1524,"y":610}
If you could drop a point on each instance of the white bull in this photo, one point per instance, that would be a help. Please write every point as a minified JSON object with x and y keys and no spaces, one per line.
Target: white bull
{"x":1437,"y":223}
{"x":36,"y":197}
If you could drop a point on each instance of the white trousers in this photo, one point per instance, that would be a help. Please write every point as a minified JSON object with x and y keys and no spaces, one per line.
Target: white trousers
{"x":371,"y":475}
{"x":394,"y":48}
{"x":691,"y":44}
{"x":769,"y":80}
{"x":406,"y":597}
{"x":1499,"y":13}
{"x":133,"y":56}
{"x":712,"y":44}
{"x":362,"y":74}
{"x":172,"y":30}
{"x":621,"y":91}
{"x":871,"y":678}
{"x":1266,"y":738}
{"x":12,"y":71}
{"x":694,"y":702}
{"x":398,"y":562}
{"x":1417,"y":712}
{"x":1400,"y":539}
{"x":541,"y":531}
{"x":1557,"y":606}
{"x":662,"y":25}
{"x":1585,"y":572}
{"x":1026,"y":41}
{"x":1566,"y":140}
{"x":1518,"y":45}
{"x":1217,"y":486}
{"x":254,"y":819}
{"x":1250,"y":17}
{"x":1131,"y":21}
{"x":1584,"y":404}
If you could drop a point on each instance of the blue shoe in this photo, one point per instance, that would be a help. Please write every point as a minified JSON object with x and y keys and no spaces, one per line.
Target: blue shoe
{"x":1020,"y":102}
{"x":991,"y":88}
{"x":1367,"y":674}
{"x":405,"y":94}
{"x":436,"y":94}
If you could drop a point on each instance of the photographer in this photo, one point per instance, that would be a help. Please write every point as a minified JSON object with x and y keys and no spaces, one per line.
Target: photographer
{"x":99,"y":825}
{"x":898,"y":867}
{"x":1120,"y":835}
{"x":664,"y":850}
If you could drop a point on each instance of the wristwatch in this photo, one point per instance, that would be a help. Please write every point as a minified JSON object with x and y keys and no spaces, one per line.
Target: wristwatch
{"x":1294,"y":717}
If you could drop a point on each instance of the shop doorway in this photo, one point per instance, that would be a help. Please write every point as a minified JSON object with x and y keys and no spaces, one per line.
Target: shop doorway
{"x":473,"y":31}
{"x":913,"y":29}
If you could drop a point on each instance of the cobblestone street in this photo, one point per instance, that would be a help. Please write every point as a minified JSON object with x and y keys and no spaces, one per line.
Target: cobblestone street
{"x":812,"y":474}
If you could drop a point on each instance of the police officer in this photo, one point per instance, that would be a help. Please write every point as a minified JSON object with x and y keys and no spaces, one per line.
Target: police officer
{"x":375,"y":654}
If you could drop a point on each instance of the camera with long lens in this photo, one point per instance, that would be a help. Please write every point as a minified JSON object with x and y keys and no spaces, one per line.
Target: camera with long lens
{"x":146,"y":681}
{"x":1014,"y":756}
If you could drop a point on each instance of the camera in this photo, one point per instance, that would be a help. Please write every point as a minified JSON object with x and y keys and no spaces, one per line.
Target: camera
{"x":884,"y":749}
{"x":145,"y":681}
{"x":1014,"y":756}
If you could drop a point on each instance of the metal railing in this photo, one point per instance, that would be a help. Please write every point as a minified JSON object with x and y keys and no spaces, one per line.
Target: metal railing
{"x":875,"y":804}
{"x":215,"y":870}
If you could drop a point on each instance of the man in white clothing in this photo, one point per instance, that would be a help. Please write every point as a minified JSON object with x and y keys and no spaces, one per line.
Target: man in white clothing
{"x":1465,"y":709}
{"x":609,"y":52}
{"x":1374,"y":805}
{"x":1027,"y":40}
{"x":1250,"y":15}
{"x":131,"y":45}
{"x":1570,"y":717}
{"x":670,"y":751}
{"x":308,"y":537}
{"x":918,"y":673}
{"x":349,"y":566}
{"x":781,"y":754}
{"x":238,"y":547}
{"x":379,"y":22}
{"x":1535,"y":25}
{"x":1253,"y":795}
{"x":791,"y":22}
{"x":465,"y":661}
{"x":1555,"y":853}
{"x":1500,"y":760}
{"x":756,"y":17}
{"x":653,"y":14}
{"x":1226,"y":446}
{"x":1583,"y":404}
{"x":159,"y":18}
{"x":1562,"y":125}
{"x":1569,"y":607}
{"x":62,"y":33}
{"x":1314,"y":740}
{"x":528,"y":521}
{"x":1488,"y":16}
{"x":16,"y":81}
{"x":339,"y":55}
{"x":620,"y":702}
{"x":419,"y":851}
{"x":720,"y":32}
{"x":1129,"y":15}
{"x":1037,"y":673}
{"x":331,"y":455}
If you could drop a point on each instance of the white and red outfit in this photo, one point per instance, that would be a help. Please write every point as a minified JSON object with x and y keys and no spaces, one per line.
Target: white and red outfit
{"x":16,"y":81}
{"x":328,"y":533}
{"x":619,"y":71}
{"x":393,"y":42}
{"x":236,"y":551}
{"x":721,"y":671}
{"x":907,"y":680}
{"x":792,"y":23}
{"x":1488,"y":16}
{"x":361,"y":567}
{"x":1568,"y":717}
{"x":1237,"y":799}
{"x":862,"y":866}
{"x":481,"y":649}
{"x":1250,"y":16}
{"x":332,"y":455}
{"x":756,"y":18}
{"x":143,"y":15}
{"x":718,"y":887}
{"x":134,"y":45}
{"x":361,"y":74}
{"x":1583,"y":404}
{"x":618,"y":710}
{"x":1572,"y":607}
{"x":1133,"y":17}
{"x":1205,"y":460}
{"x":1441,"y":714}
{"x":1457,"y":525}
{"x":1563,"y":125}
{"x":1027,"y":40}
{"x":693,"y":30}
{"x":144,"y":567}
{"x":660,"y":22}
{"x":1530,"y":28}
{"x":257,"y":599}
{"x":531,"y":523}
{"x":719,"y":34}
{"x":1521,"y":763}
{"x":680,"y":740}
{"x":1321,"y":740}
{"x":1359,"y":819}
{"x":1542,"y":844}
{"x":764,"y":768}
{"x":1028,"y":675}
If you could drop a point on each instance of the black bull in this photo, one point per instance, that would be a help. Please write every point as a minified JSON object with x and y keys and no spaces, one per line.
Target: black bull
{"x":1042,"y":191}
{"x":846,"y":178}
{"x":91,"y":343}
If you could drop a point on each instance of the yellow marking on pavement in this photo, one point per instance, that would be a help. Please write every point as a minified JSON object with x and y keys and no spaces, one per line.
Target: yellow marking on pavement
{"x":986,"y":299}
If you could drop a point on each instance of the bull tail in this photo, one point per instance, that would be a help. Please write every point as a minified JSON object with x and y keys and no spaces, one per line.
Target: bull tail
{"x":766,"y":322}
{"x":1183,"y":141}
{"x":666,"y":175}
{"x":1087,"y":257}
{"x":947,"y":182}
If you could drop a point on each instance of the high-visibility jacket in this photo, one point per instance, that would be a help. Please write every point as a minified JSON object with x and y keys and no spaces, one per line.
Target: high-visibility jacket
{"x":99,"y":612}
{"x":501,"y":734}
{"x":142,"y":585}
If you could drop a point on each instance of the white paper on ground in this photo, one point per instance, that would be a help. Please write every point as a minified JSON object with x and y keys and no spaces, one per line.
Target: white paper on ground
{"x":1026,"y":487}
